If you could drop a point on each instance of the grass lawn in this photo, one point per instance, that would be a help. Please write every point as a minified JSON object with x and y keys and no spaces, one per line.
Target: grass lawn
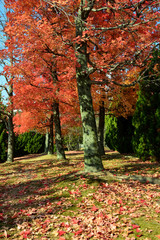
{"x":42,"y":198}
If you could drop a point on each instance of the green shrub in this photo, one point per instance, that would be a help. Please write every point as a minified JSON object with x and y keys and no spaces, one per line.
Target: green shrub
{"x":118,"y":134}
{"x":146,"y":119}
{"x":29,"y":142}
{"x":111,"y":134}
{"x":3,"y":142}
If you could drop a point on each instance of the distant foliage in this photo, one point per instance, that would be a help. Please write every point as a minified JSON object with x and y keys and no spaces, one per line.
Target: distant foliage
{"x":73,"y":139}
{"x":146,"y":120}
{"x":111,"y":132}
{"x":3,"y":143}
{"x":29,"y":142}
{"x":118,"y":135}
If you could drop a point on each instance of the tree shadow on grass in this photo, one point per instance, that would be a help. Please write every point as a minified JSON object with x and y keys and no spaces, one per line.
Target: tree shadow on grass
{"x":21,"y":198}
{"x":29,"y":156}
{"x":110,"y":155}
{"x":37,"y":165}
{"x":42,"y":195}
{"x":135,"y":167}
{"x":73,"y":153}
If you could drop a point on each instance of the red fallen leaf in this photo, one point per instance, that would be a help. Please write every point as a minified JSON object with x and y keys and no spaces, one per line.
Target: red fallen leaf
{"x":121,"y":209}
{"x":25,"y":233}
{"x":157,"y":211}
{"x":62,"y":224}
{"x":139,"y":235}
{"x":78,"y":232}
{"x":110,"y":202}
{"x":90,"y":235}
{"x":82,"y":177}
{"x":61,"y":232}
{"x":1,"y":216}
{"x":75,"y":221}
{"x":138,"y":230}
{"x":59,"y":203}
{"x":105,"y":185}
{"x":120,"y":202}
{"x":47,"y":221}
{"x":135,"y":226}
{"x":61,"y":238}
{"x":15,"y":215}
{"x":6,"y":234}
{"x":94,"y":208}
{"x":30,"y":200}
{"x":49,"y":211}
{"x":158,"y":236}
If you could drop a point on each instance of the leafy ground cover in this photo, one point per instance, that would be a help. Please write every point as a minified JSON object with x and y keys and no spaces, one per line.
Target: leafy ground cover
{"x":42,"y":198}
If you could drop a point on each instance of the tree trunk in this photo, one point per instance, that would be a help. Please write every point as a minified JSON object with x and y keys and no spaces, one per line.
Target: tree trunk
{"x":10,"y":150}
{"x":51,"y":143}
{"x":101,"y":128}
{"x":58,"y":134}
{"x":46,"y":142}
{"x":92,"y":158}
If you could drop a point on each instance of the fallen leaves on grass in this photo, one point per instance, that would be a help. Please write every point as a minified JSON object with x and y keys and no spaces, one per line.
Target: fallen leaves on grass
{"x":49,"y":200}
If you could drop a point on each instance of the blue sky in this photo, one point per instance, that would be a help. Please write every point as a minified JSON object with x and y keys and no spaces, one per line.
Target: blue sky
{"x":2,"y":14}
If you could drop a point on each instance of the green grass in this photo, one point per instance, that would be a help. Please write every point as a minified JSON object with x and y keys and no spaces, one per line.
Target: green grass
{"x":42,"y":198}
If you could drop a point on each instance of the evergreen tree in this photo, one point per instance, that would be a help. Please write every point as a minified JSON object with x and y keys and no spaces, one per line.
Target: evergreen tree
{"x":119,"y":132}
{"x":29,"y":142}
{"x":3,"y":142}
{"x":3,"y":133}
{"x":146,"y":120}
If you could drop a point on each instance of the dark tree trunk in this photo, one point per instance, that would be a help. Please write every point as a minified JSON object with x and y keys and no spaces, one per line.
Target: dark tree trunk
{"x":58,"y":134}
{"x":101,"y":128}
{"x":51,"y":135}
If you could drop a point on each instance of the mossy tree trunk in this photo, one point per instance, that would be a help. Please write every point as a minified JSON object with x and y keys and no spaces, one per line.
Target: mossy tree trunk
{"x":58,"y":134}
{"x":101,"y":128}
{"x":46,"y":142}
{"x":10,"y":126}
{"x":92,"y":158}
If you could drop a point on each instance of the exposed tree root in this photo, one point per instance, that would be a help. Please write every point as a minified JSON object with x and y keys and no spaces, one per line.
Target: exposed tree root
{"x":107,"y":176}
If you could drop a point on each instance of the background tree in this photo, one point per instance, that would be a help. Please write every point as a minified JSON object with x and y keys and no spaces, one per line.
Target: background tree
{"x":146,"y":120}
{"x":3,"y":133}
{"x":111,"y":38}
{"x":6,"y":85}
{"x":38,"y":67}
{"x":119,"y":133}
{"x":29,"y":143}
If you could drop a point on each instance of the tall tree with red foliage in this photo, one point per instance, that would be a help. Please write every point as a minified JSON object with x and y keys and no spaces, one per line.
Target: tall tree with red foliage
{"x":102,"y":40}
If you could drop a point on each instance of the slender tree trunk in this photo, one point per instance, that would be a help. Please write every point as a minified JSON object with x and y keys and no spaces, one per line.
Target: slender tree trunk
{"x":92,"y":156}
{"x":51,"y":135}
{"x":46,"y":142}
{"x":10,"y":150}
{"x":58,"y":134}
{"x":101,"y":128}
